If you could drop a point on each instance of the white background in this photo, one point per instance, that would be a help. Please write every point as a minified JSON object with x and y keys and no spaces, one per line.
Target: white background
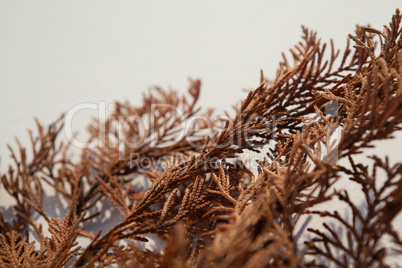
{"x":57,"y":54}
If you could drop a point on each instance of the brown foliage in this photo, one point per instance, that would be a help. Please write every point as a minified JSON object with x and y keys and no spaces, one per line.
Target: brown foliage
{"x":208,"y":206}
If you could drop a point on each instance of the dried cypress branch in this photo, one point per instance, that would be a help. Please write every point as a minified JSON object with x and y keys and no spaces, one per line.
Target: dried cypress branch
{"x":203,"y":200}
{"x":366,"y":231}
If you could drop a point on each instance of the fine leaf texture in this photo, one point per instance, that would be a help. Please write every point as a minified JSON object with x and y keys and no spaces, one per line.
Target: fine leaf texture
{"x":208,"y":206}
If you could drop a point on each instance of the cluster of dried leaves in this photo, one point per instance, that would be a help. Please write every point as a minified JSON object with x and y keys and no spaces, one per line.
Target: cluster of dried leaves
{"x":211,"y":210}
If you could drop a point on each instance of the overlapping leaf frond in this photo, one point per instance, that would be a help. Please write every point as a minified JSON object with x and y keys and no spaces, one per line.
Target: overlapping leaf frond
{"x":203,"y":200}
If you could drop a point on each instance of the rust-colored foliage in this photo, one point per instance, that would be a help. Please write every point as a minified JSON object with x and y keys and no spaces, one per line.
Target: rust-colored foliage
{"x":211,"y":209}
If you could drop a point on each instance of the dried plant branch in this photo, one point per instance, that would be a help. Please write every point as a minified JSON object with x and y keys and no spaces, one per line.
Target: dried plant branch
{"x":203,"y":200}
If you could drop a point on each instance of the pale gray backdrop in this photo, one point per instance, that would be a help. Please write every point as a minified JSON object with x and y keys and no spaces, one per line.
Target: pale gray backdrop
{"x":57,"y":54}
